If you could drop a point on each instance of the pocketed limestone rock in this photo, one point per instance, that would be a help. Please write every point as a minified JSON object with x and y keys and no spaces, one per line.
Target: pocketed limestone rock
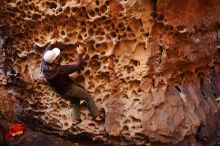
{"x":153,"y":66}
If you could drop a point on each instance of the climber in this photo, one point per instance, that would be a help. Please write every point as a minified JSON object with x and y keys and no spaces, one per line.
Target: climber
{"x":58,"y":78}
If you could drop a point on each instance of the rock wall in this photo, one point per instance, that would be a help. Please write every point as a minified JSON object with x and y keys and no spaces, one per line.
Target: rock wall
{"x":152,"y":65}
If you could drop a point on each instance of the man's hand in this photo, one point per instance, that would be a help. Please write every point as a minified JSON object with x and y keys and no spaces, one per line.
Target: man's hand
{"x":53,"y":41}
{"x":80,"y":49}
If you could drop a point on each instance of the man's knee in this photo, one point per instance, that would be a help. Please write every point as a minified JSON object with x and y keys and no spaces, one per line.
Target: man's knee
{"x":86,"y":96}
{"x":74,"y":100}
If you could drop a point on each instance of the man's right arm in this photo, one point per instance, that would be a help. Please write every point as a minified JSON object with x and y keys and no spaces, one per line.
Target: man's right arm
{"x":68,"y":69}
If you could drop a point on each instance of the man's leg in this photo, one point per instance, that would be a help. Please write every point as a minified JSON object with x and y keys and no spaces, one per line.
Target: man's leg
{"x":76,"y":108}
{"x":81,"y":93}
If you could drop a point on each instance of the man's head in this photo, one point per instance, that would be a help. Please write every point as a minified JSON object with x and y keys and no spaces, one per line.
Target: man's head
{"x":51,"y":55}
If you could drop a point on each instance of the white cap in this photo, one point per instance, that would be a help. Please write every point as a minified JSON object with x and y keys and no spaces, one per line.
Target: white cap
{"x":51,"y":55}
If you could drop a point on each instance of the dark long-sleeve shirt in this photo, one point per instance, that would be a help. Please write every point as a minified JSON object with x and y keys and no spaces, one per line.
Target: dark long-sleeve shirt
{"x":58,"y":76}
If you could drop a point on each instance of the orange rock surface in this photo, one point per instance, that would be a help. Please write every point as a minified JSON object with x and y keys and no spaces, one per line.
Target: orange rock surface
{"x":152,"y":65}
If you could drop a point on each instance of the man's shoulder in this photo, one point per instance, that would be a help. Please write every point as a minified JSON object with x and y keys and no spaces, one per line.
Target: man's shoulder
{"x":66,"y":66}
{"x":42,"y":65}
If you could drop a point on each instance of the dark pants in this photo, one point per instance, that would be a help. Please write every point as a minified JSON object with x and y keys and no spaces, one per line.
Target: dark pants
{"x":75,"y":94}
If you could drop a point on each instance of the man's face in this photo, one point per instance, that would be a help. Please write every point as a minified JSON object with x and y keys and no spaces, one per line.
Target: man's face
{"x":58,"y":60}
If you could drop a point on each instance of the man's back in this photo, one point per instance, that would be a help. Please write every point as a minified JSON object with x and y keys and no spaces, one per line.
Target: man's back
{"x":57,"y":78}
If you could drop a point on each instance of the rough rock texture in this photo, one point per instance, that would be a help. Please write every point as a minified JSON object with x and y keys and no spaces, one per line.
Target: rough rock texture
{"x":152,"y":65}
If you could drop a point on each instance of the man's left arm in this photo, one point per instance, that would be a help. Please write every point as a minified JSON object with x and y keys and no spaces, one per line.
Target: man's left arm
{"x":48,"y":48}
{"x":53,"y":41}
